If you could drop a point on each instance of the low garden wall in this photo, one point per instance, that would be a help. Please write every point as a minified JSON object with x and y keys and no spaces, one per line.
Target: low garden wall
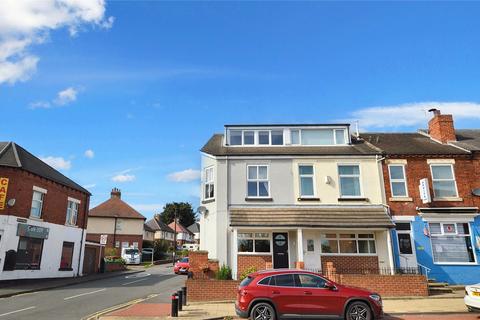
{"x":114,"y":266}
{"x":388,"y":285}
{"x":211,"y":290}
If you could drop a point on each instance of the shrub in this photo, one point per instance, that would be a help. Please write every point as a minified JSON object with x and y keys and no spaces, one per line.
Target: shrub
{"x":247,"y":271}
{"x":110,"y":252}
{"x":225,"y":273}
{"x":114,"y":259}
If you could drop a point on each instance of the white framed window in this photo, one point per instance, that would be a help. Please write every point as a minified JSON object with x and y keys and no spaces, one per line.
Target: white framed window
{"x":307,"y":180}
{"x":235,"y":137}
{"x":72,"y":211}
{"x":125,"y":244}
{"x":254,"y":242}
{"x":38,"y":198}
{"x":248,"y":137}
{"x":276,"y":137}
{"x":443,"y":178}
{"x":451,"y":243}
{"x":264,"y":137}
{"x":340,"y":136}
{"x":349,"y":177}
{"x":398,"y":180}
{"x":295,"y":136}
{"x":258,"y":185}
{"x":348,"y":243}
{"x":209,"y":184}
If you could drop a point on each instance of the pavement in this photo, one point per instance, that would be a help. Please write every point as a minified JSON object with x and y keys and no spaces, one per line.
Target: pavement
{"x":88,"y":300}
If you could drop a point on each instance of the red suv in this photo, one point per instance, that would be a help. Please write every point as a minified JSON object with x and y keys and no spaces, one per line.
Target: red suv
{"x":273,"y":294}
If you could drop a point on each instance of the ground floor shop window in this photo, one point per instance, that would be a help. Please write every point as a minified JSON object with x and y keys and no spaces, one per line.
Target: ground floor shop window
{"x":67,"y":256}
{"x":254,"y":242}
{"x":29,"y":253}
{"x":348,"y":243}
{"x":451,"y":243}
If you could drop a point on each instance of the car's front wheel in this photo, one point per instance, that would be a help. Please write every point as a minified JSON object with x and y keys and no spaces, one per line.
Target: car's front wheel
{"x":262,"y":311}
{"x":358,"y":311}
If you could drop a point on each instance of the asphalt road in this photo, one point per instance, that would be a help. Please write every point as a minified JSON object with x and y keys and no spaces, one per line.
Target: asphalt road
{"x":82,"y":300}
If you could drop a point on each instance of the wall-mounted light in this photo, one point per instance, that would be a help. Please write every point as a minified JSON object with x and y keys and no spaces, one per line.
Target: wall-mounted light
{"x":328,"y":180}
{"x":11,"y":203}
{"x":203,"y":210}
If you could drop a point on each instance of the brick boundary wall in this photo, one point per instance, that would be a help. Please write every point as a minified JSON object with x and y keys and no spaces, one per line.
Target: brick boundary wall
{"x":352,"y":264}
{"x":211,"y":290}
{"x":261,"y":262}
{"x":388,"y":285}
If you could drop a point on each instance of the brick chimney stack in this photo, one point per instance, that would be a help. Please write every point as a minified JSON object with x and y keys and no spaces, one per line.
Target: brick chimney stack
{"x":440,"y":127}
{"x":116,"y":193}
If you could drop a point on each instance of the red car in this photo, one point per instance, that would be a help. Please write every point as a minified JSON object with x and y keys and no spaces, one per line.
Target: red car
{"x":274,"y":294}
{"x":182,"y":266}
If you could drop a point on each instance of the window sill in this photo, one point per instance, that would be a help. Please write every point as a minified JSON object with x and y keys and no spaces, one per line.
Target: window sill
{"x":308,"y":199}
{"x":35,"y":218}
{"x":258,"y":199}
{"x":71,"y":225}
{"x":456,"y":263}
{"x":448,"y":199}
{"x":254,"y":253}
{"x":208,"y":201}
{"x":400,"y":199}
{"x":352,"y":199}
{"x":65,"y":269}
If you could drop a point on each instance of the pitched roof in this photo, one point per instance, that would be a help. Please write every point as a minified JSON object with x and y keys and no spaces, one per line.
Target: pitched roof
{"x":468,"y":139}
{"x":146,"y":227}
{"x":215,"y":147}
{"x":410,"y":144}
{"x":115,"y":207}
{"x":194,"y":228}
{"x":180,"y":228}
{"x":13,"y":155}
{"x":328,"y":217}
{"x":158,"y":225}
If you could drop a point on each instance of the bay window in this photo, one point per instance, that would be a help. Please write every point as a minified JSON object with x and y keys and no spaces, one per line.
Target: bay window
{"x":348,"y":243}
{"x":253,"y":242}
{"x":443,"y":178}
{"x":451,"y":242}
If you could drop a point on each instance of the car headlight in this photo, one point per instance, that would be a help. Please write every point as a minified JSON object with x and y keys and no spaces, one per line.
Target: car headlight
{"x":376,"y":298}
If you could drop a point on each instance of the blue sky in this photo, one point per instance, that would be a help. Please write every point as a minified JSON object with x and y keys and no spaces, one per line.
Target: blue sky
{"x":144,"y":84}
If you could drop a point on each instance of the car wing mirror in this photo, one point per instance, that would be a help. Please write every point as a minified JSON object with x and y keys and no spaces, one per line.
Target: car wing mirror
{"x":330,"y":286}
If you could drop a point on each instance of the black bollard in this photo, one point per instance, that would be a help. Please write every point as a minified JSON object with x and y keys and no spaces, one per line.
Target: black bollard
{"x":174,"y":311}
{"x":184,"y":291}
{"x":180,"y":298}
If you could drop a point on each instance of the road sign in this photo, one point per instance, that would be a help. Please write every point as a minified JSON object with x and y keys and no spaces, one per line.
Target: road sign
{"x":103,"y":239}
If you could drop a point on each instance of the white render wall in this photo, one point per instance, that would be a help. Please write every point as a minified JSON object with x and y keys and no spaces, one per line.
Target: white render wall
{"x":51,"y":253}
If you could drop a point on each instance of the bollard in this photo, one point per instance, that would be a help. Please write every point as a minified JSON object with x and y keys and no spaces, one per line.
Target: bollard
{"x":174,"y":311}
{"x":184,"y":290}
{"x":180,"y":298}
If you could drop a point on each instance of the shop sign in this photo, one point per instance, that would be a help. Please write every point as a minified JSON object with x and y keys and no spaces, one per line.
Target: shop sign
{"x":3,"y":192}
{"x":27,"y":230}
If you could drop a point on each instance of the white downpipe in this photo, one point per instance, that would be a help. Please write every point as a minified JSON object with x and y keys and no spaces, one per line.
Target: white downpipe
{"x":300,"y":245}
{"x":234,"y":254}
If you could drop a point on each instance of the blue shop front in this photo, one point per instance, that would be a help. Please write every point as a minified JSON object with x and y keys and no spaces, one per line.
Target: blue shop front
{"x":443,"y":243}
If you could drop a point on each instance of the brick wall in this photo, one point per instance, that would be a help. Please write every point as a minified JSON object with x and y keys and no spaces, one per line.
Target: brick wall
{"x":55,"y":203}
{"x":93,"y":237}
{"x":388,"y":286}
{"x":259,"y":261}
{"x":441,"y":128}
{"x":350,"y":264}
{"x":417,"y":168}
{"x":211,"y":290}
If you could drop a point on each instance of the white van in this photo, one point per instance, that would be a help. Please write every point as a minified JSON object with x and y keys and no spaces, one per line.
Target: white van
{"x":190,"y":246}
{"x":131,"y":255}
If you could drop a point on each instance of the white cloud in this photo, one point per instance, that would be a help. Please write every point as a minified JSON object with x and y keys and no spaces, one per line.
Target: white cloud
{"x":90,"y":186}
{"x":411,"y":114}
{"x":57,"y":163}
{"x":63,"y":98}
{"x":148,"y":207}
{"x":123,"y":178}
{"x":185,"y":175}
{"x":89,"y":154}
{"x":28,"y":22}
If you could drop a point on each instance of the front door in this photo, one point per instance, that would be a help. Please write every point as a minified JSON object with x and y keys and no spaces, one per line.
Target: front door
{"x":311,"y":252}
{"x":280,"y":250}
{"x":406,"y":246}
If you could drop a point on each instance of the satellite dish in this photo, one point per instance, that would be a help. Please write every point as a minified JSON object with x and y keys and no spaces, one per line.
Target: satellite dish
{"x":476,"y":192}
{"x":203,"y":210}
{"x":11,"y":203}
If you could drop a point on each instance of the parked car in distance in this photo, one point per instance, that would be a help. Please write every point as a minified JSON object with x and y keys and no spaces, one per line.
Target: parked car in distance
{"x":182,"y":266}
{"x":131,"y":255}
{"x":190,"y":246}
{"x":472,"y":297}
{"x":275,"y":294}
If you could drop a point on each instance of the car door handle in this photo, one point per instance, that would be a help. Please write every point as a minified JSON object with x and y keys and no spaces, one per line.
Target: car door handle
{"x":275,"y":292}
{"x":308,"y":293}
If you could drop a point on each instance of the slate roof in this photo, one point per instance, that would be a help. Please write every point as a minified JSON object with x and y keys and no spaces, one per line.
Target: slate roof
{"x":146,"y":227}
{"x":410,"y":144}
{"x":157,"y":225}
{"x":115,"y":207}
{"x":194,"y":228}
{"x":468,"y":139}
{"x":327,"y":217}
{"x":13,"y":155}
{"x":215,"y":147}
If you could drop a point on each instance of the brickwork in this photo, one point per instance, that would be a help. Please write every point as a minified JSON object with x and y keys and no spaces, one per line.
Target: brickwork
{"x":387,"y":285}
{"x":441,"y":128}
{"x":55,"y":203}
{"x":352,"y":264}
{"x":260,"y":262}
{"x":198,"y":261}
{"x":119,"y":237}
{"x":211,"y":290}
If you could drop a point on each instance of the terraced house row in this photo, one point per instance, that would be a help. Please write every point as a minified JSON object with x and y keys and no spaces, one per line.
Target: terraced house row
{"x":316,"y":195}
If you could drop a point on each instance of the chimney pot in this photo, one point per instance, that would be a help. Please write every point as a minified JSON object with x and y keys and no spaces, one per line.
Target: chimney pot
{"x":116,"y":193}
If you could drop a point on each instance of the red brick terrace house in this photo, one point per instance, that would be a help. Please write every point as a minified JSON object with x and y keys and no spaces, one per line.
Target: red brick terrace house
{"x":122,"y":224}
{"x":43,"y":217}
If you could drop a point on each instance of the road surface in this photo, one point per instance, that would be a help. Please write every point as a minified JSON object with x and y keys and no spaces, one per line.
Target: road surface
{"x":81,"y":300}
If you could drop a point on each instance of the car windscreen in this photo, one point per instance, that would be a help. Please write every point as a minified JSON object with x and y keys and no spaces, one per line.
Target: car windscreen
{"x":131,"y":251}
{"x":245,"y":282}
{"x":184,"y":260}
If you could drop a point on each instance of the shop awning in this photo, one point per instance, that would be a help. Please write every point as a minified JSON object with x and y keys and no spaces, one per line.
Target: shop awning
{"x":327,"y":217}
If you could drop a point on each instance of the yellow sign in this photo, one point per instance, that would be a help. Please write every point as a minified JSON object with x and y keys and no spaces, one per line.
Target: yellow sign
{"x":3,"y":192}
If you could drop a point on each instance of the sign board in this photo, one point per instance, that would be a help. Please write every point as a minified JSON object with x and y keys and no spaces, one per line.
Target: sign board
{"x":27,"y":230}
{"x":3,"y":192}
{"x":103,"y":239}
{"x":425,"y":191}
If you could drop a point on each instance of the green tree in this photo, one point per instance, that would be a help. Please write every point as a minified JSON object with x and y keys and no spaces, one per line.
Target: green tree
{"x":185,"y":214}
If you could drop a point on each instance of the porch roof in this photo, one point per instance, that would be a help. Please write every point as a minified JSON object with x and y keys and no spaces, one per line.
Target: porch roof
{"x":328,"y":217}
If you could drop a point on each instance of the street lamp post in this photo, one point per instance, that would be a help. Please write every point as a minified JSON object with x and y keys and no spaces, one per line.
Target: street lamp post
{"x":174,"y":235}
